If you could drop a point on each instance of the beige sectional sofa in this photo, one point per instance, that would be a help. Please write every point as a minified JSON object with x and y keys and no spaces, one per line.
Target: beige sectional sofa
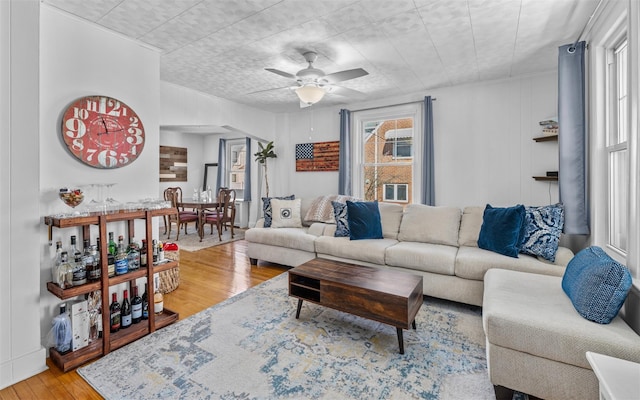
{"x":439,"y":243}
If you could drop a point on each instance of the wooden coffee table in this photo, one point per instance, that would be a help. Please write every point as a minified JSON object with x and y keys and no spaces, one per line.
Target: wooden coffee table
{"x":387,"y":296}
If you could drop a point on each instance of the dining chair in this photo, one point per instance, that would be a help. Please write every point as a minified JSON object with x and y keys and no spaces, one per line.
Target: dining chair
{"x":183,"y":217}
{"x":223,"y":213}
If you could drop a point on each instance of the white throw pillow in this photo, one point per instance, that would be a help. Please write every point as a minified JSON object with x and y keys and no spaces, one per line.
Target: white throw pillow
{"x":286,"y":213}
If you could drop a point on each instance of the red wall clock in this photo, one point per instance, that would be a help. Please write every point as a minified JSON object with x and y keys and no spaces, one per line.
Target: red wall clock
{"x":102,"y":132}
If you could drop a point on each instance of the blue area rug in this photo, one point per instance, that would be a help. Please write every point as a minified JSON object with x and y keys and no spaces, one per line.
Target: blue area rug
{"x":252,"y":347}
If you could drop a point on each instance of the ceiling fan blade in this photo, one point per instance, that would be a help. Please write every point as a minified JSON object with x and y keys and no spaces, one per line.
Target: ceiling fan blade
{"x":281,"y":73}
{"x":269,"y":90}
{"x":343,"y":91}
{"x":345,"y":75}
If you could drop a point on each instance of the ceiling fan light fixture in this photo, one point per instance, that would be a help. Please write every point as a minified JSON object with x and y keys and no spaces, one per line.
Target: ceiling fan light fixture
{"x":310,"y":94}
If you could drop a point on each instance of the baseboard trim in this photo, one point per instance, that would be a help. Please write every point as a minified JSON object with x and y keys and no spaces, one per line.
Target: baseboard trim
{"x":21,"y":368}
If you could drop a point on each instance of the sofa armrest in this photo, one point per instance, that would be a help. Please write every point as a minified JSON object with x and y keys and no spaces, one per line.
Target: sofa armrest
{"x":330,"y":230}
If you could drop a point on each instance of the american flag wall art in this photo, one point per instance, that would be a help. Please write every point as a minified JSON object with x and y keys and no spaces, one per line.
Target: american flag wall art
{"x":320,"y":156}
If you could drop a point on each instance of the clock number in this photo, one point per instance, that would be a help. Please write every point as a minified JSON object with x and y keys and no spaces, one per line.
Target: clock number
{"x":75,"y":128}
{"x":107,"y":158}
{"x":111,"y":107}
{"x":92,"y":106}
{"x":80,"y":113}
{"x":124,"y":159}
{"x":90,"y":153}
{"x":78,"y":145}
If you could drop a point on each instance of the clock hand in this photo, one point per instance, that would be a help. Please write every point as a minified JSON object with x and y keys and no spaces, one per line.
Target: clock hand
{"x":106,"y":130}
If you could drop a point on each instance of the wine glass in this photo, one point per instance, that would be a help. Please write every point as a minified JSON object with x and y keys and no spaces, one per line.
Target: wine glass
{"x":113,"y":205}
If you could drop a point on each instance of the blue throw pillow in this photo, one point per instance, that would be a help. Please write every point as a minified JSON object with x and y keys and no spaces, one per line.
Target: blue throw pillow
{"x":596,"y":284}
{"x":266,"y":208}
{"x":543,"y":227}
{"x":342,"y":221}
{"x":503,"y":230}
{"x":364,"y":220}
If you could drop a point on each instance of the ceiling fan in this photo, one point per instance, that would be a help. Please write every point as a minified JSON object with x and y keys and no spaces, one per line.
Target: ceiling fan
{"x":313,"y":83}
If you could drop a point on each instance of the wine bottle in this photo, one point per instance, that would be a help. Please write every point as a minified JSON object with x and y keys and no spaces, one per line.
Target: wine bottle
{"x":115,"y":313}
{"x":122,"y":261}
{"x":158,"y":297}
{"x":125,"y":311}
{"x":145,"y":303}
{"x":136,"y":306}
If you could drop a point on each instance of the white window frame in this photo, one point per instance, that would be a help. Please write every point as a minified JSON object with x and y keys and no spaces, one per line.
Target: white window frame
{"x":395,"y":192}
{"x":613,"y":145}
{"x":361,"y":119}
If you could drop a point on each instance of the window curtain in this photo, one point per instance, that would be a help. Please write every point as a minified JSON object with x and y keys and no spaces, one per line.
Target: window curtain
{"x":344,"y":163}
{"x":572,"y":174}
{"x":222,"y":165}
{"x":428,"y":183}
{"x":247,"y":170}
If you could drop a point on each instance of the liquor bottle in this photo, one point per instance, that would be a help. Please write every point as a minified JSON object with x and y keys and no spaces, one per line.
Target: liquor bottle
{"x":79,"y":270}
{"x":67,"y":270}
{"x":97,"y":268}
{"x":115,"y":313}
{"x":133,"y":255}
{"x":122,"y":261}
{"x":62,"y":329}
{"x":89,"y":261}
{"x":143,"y":254}
{"x":57,"y":274}
{"x":158,"y":298}
{"x":145,"y":303}
{"x":136,"y":306}
{"x":126,"y":311}
{"x":155,"y":252}
{"x":160,"y":252}
{"x":113,"y":248}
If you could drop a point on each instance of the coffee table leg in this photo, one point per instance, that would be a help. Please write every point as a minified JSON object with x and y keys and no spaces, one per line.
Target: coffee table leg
{"x":400,"y":340}
{"x":413,"y":324}
{"x":299,"y":307}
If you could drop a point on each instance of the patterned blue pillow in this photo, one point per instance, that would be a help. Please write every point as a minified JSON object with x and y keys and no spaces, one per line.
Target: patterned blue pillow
{"x":342,"y":221}
{"x":543,"y":227}
{"x":596,"y":284}
{"x":266,"y":208}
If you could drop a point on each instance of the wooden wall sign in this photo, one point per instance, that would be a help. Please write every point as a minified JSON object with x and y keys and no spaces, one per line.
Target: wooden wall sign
{"x":173,"y":164}
{"x":321,"y":156}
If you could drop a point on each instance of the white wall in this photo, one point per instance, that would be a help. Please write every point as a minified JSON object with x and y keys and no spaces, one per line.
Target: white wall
{"x":484,"y":152}
{"x":79,"y":59}
{"x":21,"y":354}
{"x":183,"y":106}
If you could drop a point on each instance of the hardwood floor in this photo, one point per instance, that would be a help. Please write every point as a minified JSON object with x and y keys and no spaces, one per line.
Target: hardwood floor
{"x":207,"y":277}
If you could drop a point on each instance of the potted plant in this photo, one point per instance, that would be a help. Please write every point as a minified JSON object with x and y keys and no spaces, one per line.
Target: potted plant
{"x":265,"y":153}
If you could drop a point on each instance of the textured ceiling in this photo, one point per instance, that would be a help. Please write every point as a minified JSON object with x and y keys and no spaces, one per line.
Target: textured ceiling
{"x":221,"y":47}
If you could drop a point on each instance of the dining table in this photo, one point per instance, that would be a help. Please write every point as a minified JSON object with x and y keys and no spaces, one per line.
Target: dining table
{"x":200,"y":206}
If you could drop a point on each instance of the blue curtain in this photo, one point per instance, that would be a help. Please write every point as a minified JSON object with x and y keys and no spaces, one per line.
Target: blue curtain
{"x":572,"y":175}
{"x":247,"y":170}
{"x":222,"y":165}
{"x":344,"y":166}
{"x":428,"y":181}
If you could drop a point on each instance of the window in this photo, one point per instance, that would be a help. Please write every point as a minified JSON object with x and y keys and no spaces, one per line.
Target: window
{"x":385,"y":167}
{"x":617,"y":149}
{"x":236,"y":166}
{"x":396,"y":192}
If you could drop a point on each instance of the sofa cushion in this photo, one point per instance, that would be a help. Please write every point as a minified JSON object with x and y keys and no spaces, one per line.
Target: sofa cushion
{"x":429,"y":224}
{"x":293,"y":238}
{"x":390,"y":217}
{"x":542,"y":234}
{"x":596,"y":284}
{"x":502,"y":229}
{"x":266,"y":208}
{"x":342,"y":221}
{"x":364,"y":220}
{"x":470,"y":225}
{"x":285,"y":213}
{"x":367,"y":250}
{"x":530,"y":313}
{"x":473,"y":262}
{"x":436,"y":258}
